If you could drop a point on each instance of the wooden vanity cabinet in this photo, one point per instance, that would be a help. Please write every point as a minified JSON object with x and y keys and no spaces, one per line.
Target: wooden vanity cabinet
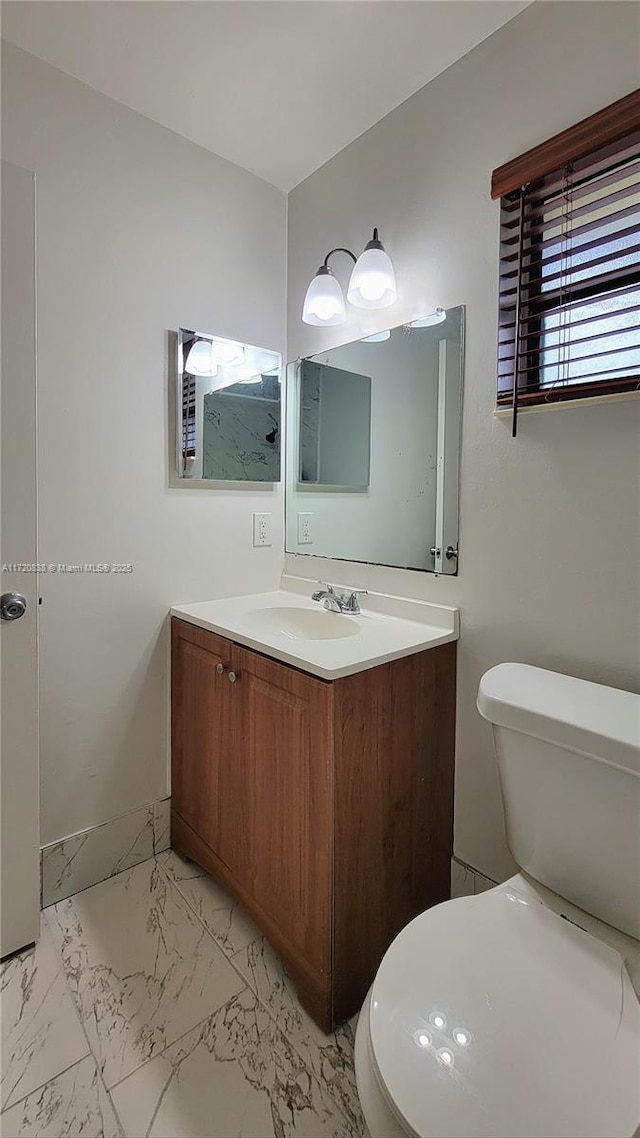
{"x":325,"y":807}
{"x":202,"y":743}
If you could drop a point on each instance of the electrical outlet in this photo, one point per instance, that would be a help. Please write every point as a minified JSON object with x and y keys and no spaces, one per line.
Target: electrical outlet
{"x":262,"y":529}
{"x":304,"y":529}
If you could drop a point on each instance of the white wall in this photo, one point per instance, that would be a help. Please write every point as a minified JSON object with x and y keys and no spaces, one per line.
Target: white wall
{"x":550,"y":546}
{"x":139,"y":232}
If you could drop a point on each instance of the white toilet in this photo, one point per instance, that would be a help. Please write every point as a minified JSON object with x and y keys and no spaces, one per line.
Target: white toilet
{"x":516,"y":1012}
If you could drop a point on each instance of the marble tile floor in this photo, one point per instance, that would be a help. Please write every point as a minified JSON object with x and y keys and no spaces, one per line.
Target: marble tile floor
{"x":152,"y":1006}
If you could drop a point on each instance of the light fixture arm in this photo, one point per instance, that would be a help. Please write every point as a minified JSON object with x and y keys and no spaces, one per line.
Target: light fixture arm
{"x":339,"y":249}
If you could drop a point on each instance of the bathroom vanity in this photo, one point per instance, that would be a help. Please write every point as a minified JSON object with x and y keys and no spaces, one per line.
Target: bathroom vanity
{"x":312,"y":775}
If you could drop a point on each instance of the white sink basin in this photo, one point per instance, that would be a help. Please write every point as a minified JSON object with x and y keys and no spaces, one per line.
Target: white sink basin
{"x":287,"y":625}
{"x":300,"y":623}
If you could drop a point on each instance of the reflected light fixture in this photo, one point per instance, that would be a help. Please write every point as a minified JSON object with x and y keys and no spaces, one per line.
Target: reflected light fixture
{"x":372,"y":285}
{"x":437,"y":317}
{"x":227,"y":351}
{"x":200,"y":360}
{"x":376,"y":338}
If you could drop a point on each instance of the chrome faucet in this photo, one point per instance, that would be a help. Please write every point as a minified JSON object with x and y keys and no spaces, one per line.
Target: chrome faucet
{"x":336,"y":601}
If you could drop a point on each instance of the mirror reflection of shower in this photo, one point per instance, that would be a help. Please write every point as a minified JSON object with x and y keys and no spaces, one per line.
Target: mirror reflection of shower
{"x":228,"y":409}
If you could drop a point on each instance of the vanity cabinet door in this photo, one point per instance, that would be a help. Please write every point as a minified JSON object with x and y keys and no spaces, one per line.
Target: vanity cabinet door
{"x":202,"y":711}
{"x":284,"y":808}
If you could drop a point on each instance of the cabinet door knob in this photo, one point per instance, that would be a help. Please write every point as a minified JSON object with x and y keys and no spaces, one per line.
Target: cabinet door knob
{"x":233,"y":676}
{"x":220,"y":668}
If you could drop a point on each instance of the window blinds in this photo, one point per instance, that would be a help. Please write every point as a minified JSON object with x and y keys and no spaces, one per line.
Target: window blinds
{"x":569,"y":306}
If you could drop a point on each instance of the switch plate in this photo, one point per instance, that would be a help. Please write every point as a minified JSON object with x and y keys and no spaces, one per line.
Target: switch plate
{"x":262,"y":529}
{"x":304,"y":529}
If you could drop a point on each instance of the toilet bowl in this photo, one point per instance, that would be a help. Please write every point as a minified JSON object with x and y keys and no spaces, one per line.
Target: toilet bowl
{"x":516,"y":1012}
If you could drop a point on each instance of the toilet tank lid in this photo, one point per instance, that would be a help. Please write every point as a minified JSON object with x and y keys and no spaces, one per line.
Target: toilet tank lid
{"x":590,"y":718}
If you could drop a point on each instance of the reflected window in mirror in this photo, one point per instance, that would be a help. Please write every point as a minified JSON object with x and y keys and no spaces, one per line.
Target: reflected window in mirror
{"x":229,"y":417}
{"x":373,"y":448}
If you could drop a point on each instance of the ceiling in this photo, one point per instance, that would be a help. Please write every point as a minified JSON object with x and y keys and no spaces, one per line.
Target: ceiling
{"x":276,"y":86}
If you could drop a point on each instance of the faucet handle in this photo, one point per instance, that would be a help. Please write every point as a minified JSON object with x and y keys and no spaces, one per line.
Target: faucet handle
{"x":351,"y":603}
{"x":325,"y":590}
{"x":324,"y":584}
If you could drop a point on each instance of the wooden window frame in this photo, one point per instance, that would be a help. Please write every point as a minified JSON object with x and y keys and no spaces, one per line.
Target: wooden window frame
{"x":607,"y":127}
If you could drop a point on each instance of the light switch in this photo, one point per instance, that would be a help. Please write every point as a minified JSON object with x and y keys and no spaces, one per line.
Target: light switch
{"x":262,"y":529}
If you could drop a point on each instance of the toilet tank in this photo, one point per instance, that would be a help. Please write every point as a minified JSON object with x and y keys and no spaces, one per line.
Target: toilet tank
{"x":568,"y":756}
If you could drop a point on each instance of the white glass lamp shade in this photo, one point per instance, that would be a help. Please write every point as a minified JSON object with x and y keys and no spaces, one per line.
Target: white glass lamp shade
{"x":324,"y":303}
{"x":373,"y":280}
{"x":227,"y":351}
{"x":437,"y":317}
{"x":199,"y":361}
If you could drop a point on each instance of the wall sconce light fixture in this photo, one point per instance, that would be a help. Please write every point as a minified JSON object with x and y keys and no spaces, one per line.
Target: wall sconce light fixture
{"x":372,"y":285}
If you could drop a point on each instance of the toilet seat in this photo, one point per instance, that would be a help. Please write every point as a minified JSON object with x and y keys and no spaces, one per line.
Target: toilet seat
{"x":494,"y":1016}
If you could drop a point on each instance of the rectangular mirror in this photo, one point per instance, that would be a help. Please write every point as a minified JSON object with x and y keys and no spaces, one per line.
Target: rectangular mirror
{"x":373,"y":448}
{"x":228,"y":409}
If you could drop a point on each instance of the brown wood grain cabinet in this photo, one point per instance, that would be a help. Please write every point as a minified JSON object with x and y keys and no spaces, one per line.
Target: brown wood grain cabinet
{"x":326,"y":808}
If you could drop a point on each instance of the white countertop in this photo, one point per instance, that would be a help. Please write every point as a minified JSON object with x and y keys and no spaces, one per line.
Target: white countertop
{"x":388,"y":628}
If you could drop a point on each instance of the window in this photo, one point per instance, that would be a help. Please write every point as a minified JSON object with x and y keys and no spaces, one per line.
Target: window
{"x":189,"y":416}
{"x":569,"y":318}
{"x":188,"y":408}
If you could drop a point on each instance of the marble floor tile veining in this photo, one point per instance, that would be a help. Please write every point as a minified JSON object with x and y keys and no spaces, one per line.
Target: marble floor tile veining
{"x":191,"y":1025}
{"x":41,"y":1034}
{"x":224,"y":918}
{"x":329,"y":1057}
{"x":73,"y":1105}
{"x":162,"y":825}
{"x":235,"y":1075}
{"x":140,"y":965}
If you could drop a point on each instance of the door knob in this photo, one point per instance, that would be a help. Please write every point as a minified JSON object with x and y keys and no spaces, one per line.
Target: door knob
{"x":233,"y":676}
{"x":220,"y":668}
{"x":12,"y":606}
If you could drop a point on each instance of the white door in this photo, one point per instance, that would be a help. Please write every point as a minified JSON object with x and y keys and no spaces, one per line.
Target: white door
{"x":19,"y":775}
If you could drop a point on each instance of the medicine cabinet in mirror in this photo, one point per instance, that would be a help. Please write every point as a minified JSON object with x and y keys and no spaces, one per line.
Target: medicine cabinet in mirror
{"x":228,"y":409}
{"x":373,"y":449}
{"x":335,"y":426}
